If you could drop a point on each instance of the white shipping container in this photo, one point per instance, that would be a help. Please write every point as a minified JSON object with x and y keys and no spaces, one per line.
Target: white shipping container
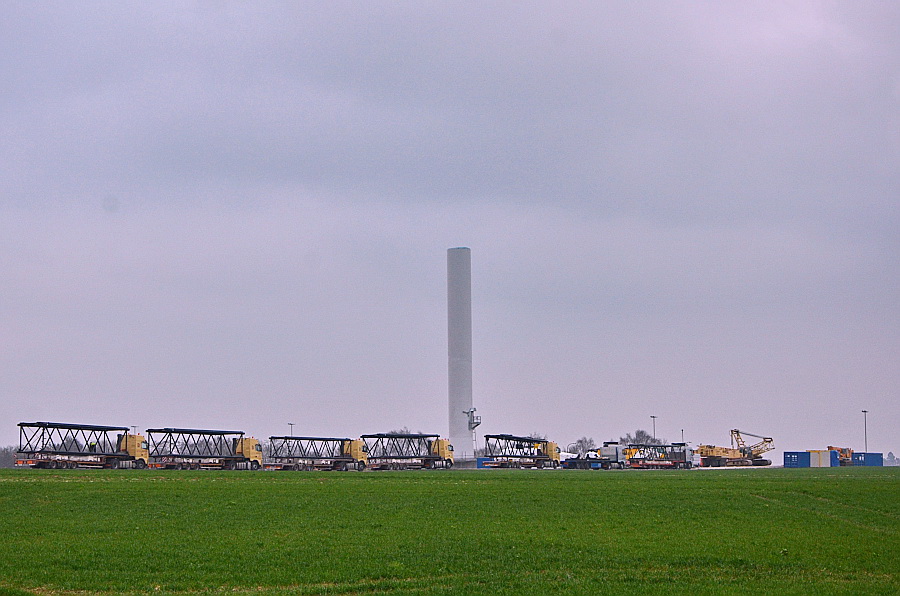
{"x":820,"y":459}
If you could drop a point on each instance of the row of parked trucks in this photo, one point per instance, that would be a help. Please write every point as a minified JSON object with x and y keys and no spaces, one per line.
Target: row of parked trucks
{"x":61,"y":445}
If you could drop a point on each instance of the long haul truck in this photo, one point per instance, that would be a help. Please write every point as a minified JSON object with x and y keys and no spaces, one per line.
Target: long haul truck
{"x":62,"y":445}
{"x":407,"y":451}
{"x":510,"y":451}
{"x":316,"y":453}
{"x":194,"y":449}
{"x":611,"y":456}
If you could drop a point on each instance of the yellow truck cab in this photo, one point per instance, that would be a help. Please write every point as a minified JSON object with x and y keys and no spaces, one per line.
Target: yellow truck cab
{"x":551,"y":450}
{"x":250,"y":448}
{"x":356,"y":450}
{"x":443,"y":450}
{"x":135,"y":445}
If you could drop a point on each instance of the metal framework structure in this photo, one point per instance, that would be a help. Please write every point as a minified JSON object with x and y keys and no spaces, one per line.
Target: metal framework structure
{"x":676,"y":455}
{"x":752,"y":451}
{"x":511,"y":446}
{"x":399,"y":446}
{"x":193,"y":443}
{"x":287,"y":449}
{"x":59,"y":438}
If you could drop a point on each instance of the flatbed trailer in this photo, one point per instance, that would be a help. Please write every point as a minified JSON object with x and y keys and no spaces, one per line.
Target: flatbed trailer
{"x":315,"y":453}
{"x":610,"y":456}
{"x":195,"y":449}
{"x":510,"y":451}
{"x":407,"y":451}
{"x":60,"y":445}
{"x":676,"y":456}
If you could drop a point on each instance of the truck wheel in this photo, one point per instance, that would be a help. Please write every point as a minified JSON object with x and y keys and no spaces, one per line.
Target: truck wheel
{"x":140,"y":464}
{"x":113,"y":464}
{"x":52,"y":464}
{"x":360,"y":465}
{"x":448,"y":463}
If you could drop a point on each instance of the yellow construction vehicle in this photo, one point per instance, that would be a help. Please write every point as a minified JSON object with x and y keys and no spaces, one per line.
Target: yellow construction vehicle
{"x":845,"y":455}
{"x":739,"y":454}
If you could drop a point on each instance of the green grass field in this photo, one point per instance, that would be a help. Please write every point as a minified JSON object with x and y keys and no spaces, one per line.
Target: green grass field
{"x":813,"y":531}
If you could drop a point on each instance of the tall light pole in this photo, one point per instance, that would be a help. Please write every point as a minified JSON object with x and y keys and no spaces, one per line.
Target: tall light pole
{"x":865,"y":432}
{"x":682,"y":435}
{"x":291,"y":424}
{"x":654,"y":426}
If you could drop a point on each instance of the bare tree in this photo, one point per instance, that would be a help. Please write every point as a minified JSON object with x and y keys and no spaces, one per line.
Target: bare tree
{"x":641,"y":437}
{"x":8,"y":456}
{"x":583,"y":445}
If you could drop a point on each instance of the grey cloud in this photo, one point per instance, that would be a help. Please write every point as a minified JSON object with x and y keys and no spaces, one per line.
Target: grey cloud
{"x":670,"y":208}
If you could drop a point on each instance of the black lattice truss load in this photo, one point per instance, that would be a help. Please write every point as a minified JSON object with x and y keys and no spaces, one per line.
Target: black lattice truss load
{"x":290,"y":448}
{"x":512,"y":446}
{"x":193,"y":443}
{"x":399,"y":446}
{"x":59,"y":438}
{"x":677,"y":452}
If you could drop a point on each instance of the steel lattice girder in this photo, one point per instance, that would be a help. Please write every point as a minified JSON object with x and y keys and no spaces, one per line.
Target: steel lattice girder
{"x":59,"y":438}
{"x":306,"y":447}
{"x":399,"y":446}
{"x":193,"y":443}
{"x":512,"y":446}
{"x":660,"y":452}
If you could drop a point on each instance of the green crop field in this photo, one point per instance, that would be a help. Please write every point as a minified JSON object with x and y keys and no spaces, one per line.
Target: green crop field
{"x":812,"y":531}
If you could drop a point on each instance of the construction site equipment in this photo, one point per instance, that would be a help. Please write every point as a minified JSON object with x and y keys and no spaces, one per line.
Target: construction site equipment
{"x":610,"y":456}
{"x":823,"y":458}
{"x":675,"y":456}
{"x":845,"y":455}
{"x":315,"y":453}
{"x":188,"y":448}
{"x":402,"y":451}
{"x":739,"y":454}
{"x":510,"y":451}
{"x":63,"y":445}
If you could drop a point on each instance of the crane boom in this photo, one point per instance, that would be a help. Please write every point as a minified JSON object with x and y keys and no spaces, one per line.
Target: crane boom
{"x":755,"y":450}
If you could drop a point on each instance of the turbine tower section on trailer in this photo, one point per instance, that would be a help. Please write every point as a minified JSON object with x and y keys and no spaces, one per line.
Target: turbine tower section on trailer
{"x":462,"y":419}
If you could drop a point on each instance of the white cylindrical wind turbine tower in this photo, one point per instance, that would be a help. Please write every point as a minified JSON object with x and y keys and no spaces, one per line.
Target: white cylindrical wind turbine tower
{"x":459,"y":327}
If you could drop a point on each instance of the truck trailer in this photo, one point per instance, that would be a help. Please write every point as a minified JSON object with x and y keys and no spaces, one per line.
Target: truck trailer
{"x":402,"y":451}
{"x":510,"y":451}
{"x":659,"y":457}
{"x":610,"y":456}
{"x":315,"y":453}
{"x":195,"y":449}
{"x":58,"y":445}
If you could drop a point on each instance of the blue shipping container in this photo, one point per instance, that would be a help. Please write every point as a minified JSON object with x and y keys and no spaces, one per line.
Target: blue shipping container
{"x":796,"y":459}
{"x":868,"y":459}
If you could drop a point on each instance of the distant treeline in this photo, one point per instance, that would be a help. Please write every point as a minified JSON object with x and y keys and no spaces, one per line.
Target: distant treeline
{"x":8,"y":456}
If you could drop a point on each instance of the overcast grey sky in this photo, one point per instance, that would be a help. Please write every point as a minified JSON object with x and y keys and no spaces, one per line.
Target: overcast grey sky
{"x":236,"y":215}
